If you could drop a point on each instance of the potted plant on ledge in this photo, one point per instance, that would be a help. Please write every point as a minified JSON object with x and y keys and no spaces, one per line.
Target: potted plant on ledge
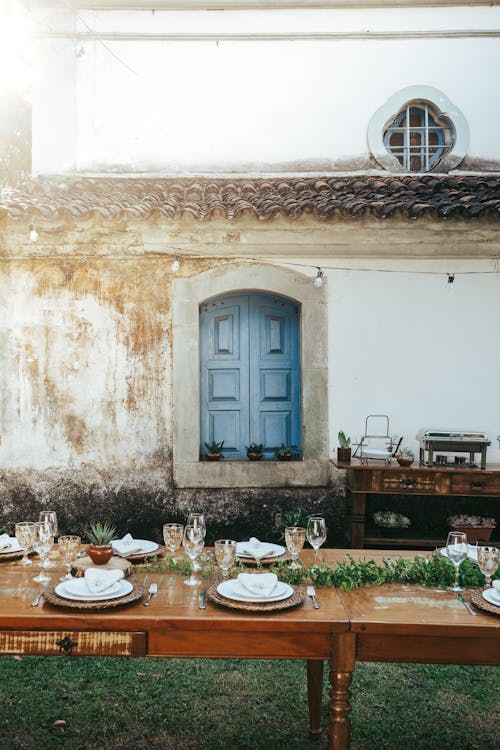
{"x":100,"y":536}
{"x":477,"y":528}
{"x":214,"y":450}
{"x":344,"y":449}
{"x":284,"y":452}
{"x":405,"y":457}
{"x":254,"y":451}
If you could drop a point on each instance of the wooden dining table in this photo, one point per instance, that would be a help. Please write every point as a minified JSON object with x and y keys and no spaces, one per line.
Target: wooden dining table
{"x":393,"y":623}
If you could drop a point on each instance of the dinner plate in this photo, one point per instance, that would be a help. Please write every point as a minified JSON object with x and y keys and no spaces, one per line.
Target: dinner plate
{"x":78,"y":591}
{"x":145,"y":547}
{"x":233,"y":590}
{"x":14,"y":547}
{"x":491,"y":597}
{"x":471,"y":552}
{"x":275,"y":550}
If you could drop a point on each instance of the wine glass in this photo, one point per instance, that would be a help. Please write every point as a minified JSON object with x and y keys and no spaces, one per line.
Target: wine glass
{"x":69,"y":547}
{"x":225,"y":554}
{"x":295,"y":537}
{"x":50,"y":517}
{"x":316,"y":534}
{"x":43,"y":539}
{"x":193,"y":544}
{"x":456,"y":549}
{"x":172,"y":536}
{"x":487,"y":559}
{"x":24,"y":536}
{"x":197,"y":519}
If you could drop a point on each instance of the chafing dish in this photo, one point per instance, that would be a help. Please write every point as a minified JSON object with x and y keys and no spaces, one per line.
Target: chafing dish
{"x":452,"y":441}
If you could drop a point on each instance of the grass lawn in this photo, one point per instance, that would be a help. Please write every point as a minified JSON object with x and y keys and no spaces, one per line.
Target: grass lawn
{"x":183,"y":704}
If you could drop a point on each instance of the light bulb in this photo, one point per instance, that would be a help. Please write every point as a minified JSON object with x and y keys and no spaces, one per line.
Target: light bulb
{"x":318,"y":281}
{"x":451,"y":279}
{"x":33,"y":233}
{"x":175,"y":265}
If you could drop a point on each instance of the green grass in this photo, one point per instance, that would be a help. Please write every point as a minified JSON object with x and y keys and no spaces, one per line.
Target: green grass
{"x":175,"y":704}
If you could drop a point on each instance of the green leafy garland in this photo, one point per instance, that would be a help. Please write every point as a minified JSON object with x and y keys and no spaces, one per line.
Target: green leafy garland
{"x":350,"y":574}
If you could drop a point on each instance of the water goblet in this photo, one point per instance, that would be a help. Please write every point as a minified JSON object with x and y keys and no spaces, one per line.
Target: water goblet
{"x":225,"y":554}
{"x":295,"y":537}
{"x":197,"y":519}
{"x":43,"y":539}
{"x":456,"y":549}
{"x":24,"y":536}
{"x":193,"y":544}
{"x":50,"y":517}
{"x":69,"y":547}
{"x":316,"y":534}
{"x":487,"y":559}
{"x":172,"y":536}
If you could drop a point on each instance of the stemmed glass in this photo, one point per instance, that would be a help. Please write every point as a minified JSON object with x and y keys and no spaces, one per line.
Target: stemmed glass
{"x":456,"y":549}
{"x":43,"y":539}
{"x":316,"y":534}
{"x":172,"y":536}
{"x":193,"y":544}
{"x":198,"y":521}
{"x":487,"y":559}
{"x":24,"y":536}
{"x":69,"y":547}
{"x":225,"y":554}
{"x":50,"y":517}
{"x":295,"y":537}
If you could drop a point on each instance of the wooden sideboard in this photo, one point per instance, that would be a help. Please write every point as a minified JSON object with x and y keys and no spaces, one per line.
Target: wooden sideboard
{"x":377,"y":478}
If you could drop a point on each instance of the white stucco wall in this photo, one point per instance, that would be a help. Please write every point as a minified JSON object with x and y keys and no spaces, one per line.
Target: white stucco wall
{"x":231,"y":100}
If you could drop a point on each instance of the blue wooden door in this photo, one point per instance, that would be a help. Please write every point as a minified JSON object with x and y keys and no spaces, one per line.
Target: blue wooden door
{"x":250,"y":373}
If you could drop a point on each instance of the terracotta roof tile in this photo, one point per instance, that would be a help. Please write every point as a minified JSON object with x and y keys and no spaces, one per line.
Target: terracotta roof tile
{"x":407,"y":196}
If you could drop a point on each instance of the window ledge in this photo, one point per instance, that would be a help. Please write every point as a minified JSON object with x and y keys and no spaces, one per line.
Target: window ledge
{"x":309,"y":473}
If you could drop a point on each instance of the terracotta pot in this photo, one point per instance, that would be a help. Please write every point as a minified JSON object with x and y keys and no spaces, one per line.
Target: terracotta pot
{"x":475,"y":533}
{"x":254,"y":456}
{"x":284,"y":456}
{"x":213,"y":456}
{"x":344,"y":455}
{"x":404,"y":460}
{"x":100,"y":555}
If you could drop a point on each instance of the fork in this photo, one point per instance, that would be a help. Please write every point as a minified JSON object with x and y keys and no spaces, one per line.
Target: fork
{"x":466,"y":604}
{"x":153,"y":589}
{"x":36,"y":601}
{"x":312,"y":594}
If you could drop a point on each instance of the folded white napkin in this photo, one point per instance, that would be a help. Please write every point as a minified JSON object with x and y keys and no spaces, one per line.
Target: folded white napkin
{"x":100,"y":580}
{"x":258,"y":584}
{"x":126,"y":545}
{"x":257,"y":549}
{"x":5,"y":543}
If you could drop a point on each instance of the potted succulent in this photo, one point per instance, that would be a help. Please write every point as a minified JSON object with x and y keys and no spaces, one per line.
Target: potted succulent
{"x":100,"y":536}
{"x":254,"y":451}
{"x":477,"y":528}
{"x":214,"y":450}
{"x":405,"y":457}
{"x":284,"y":452}
{"x":344,"y":449}
{"x":388,"y":522}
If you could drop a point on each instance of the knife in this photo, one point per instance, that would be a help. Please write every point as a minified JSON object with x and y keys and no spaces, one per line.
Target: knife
{"x":153,"y":589}
{"x":202,"y":602}
{"x":468,"y":606}
{"x":311,"y":592}
{"x":38,"y":598}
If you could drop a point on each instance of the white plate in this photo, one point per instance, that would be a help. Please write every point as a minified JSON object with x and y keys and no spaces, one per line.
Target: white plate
{"x":14,"y":547}
{"x":471,"y":552}
{"x":275,"y":551}
{"x":80,"y":593}
{"x":233,"y":590}
{"x":491,"y":596}
{"x":145,"y":547}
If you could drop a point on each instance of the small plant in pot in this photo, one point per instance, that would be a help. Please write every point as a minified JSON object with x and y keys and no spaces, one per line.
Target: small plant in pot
{"x":405,"y":457}
{"x":344,"y":449}
{"x":284,"y":452}
{"x":254,"y":451}
{"x":100,"y":535}
{"x":477,"y":528}
{"x":214,"y":450}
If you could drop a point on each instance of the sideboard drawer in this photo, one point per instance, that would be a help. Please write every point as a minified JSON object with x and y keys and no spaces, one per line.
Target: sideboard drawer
{"x":464,"y":484}
{"x":404,"y":482}
{"x":77,"y":643}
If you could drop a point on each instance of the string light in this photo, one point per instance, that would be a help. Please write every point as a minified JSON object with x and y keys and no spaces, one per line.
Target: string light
{"x":318,"y":281}
{"x":175,"y":264}
{"x":451,"y":279}
{"x":33,"y":233}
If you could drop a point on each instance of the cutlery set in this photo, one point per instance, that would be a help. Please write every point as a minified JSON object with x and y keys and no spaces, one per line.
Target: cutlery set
{"x":153,"y":589}
{"x":311,"y":592}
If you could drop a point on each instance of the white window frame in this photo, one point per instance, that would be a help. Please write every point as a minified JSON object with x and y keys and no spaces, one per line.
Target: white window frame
{"x":187,"y":295}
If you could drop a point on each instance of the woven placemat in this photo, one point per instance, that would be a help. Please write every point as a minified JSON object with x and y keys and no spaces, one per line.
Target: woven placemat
{"x":160,"y":552}
{"x":14,"y":555}
{"x":475,"y":597}
{"x":251,"y":562}
{"x":293,"y":601}
{"x":51,"y":597}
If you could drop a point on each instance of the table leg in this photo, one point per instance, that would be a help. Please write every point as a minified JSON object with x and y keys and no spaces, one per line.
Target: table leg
{"x":342,"y":666}
{"x":356,"y":503}
{"x":314,"y":695}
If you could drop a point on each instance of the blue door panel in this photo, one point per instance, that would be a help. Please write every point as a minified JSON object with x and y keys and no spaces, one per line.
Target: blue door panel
{"x":224,"y":385}
{"x":275,"y":385}
{"x":225,"y":426}
{"x":275,"y":429}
